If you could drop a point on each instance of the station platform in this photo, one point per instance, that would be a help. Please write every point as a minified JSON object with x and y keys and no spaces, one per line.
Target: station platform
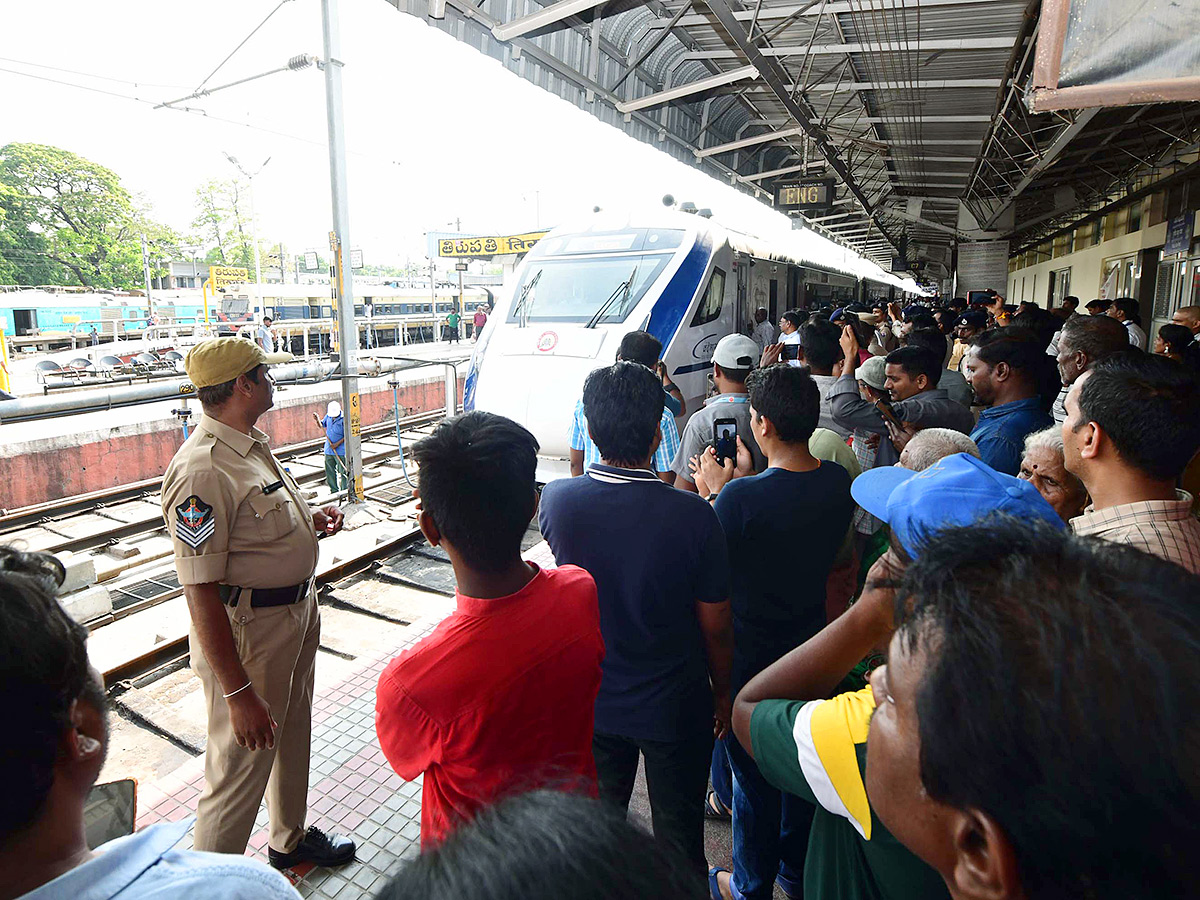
{"x":352,"y":788}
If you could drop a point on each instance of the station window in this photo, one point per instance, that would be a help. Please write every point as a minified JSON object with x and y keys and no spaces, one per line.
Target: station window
{"x":714,"y":295}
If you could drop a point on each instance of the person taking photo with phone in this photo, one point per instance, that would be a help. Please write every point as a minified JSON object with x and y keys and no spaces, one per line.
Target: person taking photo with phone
{"x":798,"y":509}
{"x":911,"y":376}
{"x":733,"y":358}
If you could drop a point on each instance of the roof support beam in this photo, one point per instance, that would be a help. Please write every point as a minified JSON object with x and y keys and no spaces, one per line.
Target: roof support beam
{"x":830,"y":9}
{"x":797,"y":107}
{"x":786,"y":170}
{"x":1082,"y":118}
{"x":692,"y":87}
{"x":943,"y":44}
{"x":749,"y":142}
{"x":548,"y":15}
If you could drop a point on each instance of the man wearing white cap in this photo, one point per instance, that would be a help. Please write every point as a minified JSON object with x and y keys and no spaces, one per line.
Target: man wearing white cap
{"x":335,"y":445}
{"x":733,"y":358}
{"x":245,"y":546}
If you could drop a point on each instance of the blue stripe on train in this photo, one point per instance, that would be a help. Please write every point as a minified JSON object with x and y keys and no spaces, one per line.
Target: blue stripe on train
{"x":677,"y":296}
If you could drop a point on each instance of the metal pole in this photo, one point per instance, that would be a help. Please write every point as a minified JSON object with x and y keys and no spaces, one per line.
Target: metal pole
{"x":340,"y":238}
{"x":146,"y":275}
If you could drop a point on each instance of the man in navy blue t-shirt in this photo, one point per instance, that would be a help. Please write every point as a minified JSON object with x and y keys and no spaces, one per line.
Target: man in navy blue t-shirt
{"x":783,"y":529}
{"x":660,"y":563}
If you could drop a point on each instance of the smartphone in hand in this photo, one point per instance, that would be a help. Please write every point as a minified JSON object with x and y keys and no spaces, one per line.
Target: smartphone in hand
{"x":725,"y":440}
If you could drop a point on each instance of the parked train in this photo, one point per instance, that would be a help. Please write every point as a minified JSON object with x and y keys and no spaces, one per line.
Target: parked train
{"x":33,"y":311}
{"x":681,"y":277}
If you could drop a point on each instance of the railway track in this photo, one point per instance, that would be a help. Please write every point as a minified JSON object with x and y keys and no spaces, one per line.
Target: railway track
{"x":102,"y":518}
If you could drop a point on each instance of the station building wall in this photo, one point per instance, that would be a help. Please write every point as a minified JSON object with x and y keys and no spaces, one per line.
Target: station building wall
{"x":1086,"y":267}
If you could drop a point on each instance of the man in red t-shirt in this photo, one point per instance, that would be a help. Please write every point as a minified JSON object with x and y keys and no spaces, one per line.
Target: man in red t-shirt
{"x":480,"y":320}
{"x":500,"y":698}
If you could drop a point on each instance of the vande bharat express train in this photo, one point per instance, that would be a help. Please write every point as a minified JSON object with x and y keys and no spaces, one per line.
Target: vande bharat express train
{"x":679,"y":276}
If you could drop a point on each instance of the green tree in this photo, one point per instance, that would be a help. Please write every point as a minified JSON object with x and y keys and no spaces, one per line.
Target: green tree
{"x":67,"y":220}
{"x":223,"y":222}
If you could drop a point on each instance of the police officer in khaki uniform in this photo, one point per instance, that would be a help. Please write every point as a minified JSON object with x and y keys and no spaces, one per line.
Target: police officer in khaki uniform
{"x":245,"y":551}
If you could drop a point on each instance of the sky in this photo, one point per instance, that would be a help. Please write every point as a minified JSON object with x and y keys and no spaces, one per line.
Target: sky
{"x":435,"y":131}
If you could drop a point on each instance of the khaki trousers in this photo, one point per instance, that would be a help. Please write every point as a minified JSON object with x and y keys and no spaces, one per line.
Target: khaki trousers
{"x":278,"y":649}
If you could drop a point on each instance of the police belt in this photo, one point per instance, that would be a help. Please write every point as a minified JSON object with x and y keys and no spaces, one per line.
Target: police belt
{"x":263,"y":597}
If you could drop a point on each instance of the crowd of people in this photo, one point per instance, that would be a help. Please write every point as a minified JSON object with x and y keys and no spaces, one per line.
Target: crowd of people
{"x":911,"y":601}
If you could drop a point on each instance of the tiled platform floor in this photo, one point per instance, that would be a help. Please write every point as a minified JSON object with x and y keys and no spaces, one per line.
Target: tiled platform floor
{"x":352,"y":790}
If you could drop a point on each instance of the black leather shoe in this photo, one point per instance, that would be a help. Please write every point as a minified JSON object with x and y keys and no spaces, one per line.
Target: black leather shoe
{"x":316,"y":847}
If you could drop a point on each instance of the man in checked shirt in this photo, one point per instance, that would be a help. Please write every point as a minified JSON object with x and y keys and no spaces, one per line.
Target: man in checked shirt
{"x":1133,"y":424}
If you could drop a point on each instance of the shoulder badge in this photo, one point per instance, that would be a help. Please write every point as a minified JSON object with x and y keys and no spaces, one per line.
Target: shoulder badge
{"x":194,"y":522}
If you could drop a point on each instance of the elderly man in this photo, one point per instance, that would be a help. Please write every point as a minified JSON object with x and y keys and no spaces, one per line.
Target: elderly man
{"x":1083,"y":342}
{"x":1043,"y":466}
{"x":929,"y":445}
{"x":1133,"y":424}
{"x":245,"y":545}
{"x":53,"y":751}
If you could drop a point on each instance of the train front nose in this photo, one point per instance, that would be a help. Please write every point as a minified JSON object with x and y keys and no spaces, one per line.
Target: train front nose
{"x":535,"y":376}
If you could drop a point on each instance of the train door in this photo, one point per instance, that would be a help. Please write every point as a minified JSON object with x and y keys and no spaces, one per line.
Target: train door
{"x":773,"y":295}
{"x":25,"y":321}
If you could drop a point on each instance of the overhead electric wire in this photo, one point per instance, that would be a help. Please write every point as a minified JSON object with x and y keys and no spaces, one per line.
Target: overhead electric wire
{"x":25,"y":62}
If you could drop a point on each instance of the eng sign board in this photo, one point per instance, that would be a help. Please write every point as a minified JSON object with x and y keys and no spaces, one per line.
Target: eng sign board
{"x":806,"y":194}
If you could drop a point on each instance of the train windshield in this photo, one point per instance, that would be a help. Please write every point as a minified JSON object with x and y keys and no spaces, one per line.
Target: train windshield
{"x":603,"y":288}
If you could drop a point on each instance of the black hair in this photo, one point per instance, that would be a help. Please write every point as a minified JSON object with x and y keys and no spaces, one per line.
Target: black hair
{"x":640,"y":347}
{"x":1096,"y":337}
{"x":958,"y":303}
{"x":930,"y":339}
{"x":624,"y":405}
{"x":548,"y":844}
{"x":1149,"y":407}
{"x":1024,"y":352}
{"x":921,"y":318}
{"x":218,"y":394}
{"x":794,"y":317}
{"x":788,"y":396}
{"x":819,"y":341}
{"x":1128,"y":307}
{"x":1070,"y":298}
{"x":1059,"y":695}
{"x":1176,"y":337}
{"x":43,"y":670}
{"x":477,"y":484}
{"x":1098,"y":304}
{"x":914,"y":361}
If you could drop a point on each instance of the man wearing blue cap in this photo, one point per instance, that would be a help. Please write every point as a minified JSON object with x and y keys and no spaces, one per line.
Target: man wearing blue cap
{"x":815,"y":748}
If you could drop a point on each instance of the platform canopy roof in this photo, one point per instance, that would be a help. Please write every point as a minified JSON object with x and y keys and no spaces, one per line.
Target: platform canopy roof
{"x":917,"y":108}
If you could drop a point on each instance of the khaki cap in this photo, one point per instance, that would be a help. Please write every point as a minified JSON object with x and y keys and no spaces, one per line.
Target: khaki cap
{"x":218,"y":360}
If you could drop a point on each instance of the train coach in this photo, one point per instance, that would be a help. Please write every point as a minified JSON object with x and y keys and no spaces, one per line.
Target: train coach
{"x":682,"y":277}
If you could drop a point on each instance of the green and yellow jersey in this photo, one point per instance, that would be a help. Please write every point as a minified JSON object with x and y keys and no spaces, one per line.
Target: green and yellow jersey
{"x":818,"y":750}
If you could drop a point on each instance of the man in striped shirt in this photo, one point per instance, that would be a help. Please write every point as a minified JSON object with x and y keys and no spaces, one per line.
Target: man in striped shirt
{"x":1133,"y":424}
